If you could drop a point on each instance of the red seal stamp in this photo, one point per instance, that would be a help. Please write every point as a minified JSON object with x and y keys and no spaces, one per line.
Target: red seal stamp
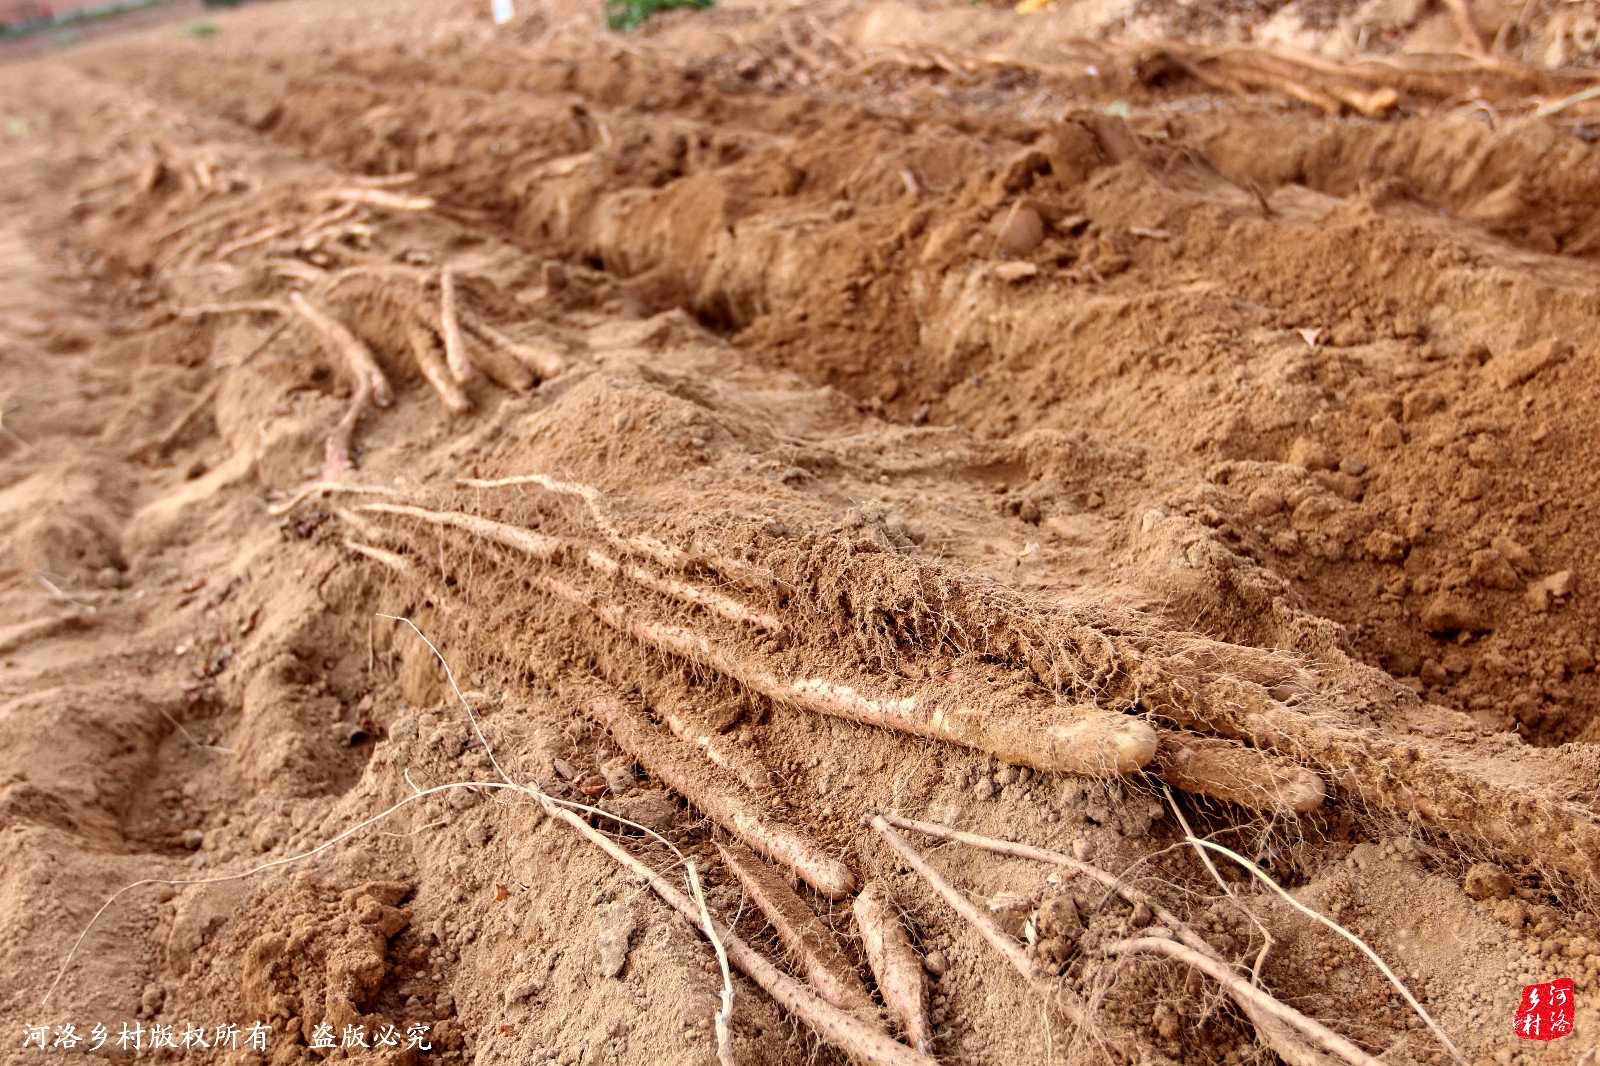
{"x":1546,"y":1012}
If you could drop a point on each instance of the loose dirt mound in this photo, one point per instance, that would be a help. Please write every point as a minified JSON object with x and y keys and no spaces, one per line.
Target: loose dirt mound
{"x":780,"y":419}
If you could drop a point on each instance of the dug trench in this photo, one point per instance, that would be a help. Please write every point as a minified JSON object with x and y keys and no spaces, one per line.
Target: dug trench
{"x":761,"y":462}
{"x":1356,"y":336}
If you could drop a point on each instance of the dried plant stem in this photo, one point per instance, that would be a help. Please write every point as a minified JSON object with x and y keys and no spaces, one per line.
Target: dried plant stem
{"x":895,"y":962}
{"x":1383,"y":967}
{"x":1279,"y":1035}
{"x":1244,"y":992}
{"x":862,"y":1042}
{"x":724,"y":801}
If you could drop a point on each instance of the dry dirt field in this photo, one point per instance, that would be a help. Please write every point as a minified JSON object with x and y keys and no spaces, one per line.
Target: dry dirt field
{"x":1103,"y":430}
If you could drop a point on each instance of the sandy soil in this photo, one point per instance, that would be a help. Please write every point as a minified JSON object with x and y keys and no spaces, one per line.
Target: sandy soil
{"x":1032,"y":425}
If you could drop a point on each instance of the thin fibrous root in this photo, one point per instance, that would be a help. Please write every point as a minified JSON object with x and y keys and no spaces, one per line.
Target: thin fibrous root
{"x":1279,"y":1034}
{"x":1228,"y":771}
{"x":862,"y":1042}
{"x":542,"y":361}
{"x":724,"y":801}
{"x":455,"y":345}
{"x":1077,"y":740}
{"x":804,"y":935}
{"x":894,"y":962}
{"x":548,"y":548}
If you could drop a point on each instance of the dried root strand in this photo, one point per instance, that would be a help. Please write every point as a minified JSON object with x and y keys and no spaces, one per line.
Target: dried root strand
{"x":724,"y":801}
{"x":356,"y":355}
{"x":716,"y":602}
{"x":336,"y":455}
{"x":1243,"y":991}
{"x":895,"y":963}
{"x":501,"y":369}
{"x":804,"y":935}
{"x":370,"y":384}
{"x":862,"y":1042}
{"x":657,"y":551}
{"x":1228,"y":771}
